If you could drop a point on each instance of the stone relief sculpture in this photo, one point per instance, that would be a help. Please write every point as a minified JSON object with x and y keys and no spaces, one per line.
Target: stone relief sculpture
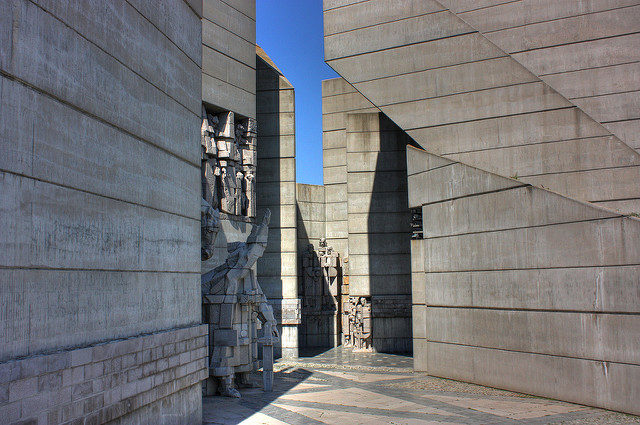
{"x":320,"y":288}
{"x":235,"y":308}
{"x":229,"y":163}
{"x":209,"y":227}
{"x":359,"y":332}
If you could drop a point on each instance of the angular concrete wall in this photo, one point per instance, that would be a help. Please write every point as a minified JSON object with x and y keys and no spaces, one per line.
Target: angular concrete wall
{"x":276,"y":176}
{"x":519,"y":283}
{"x":379,"y":226}
{"x":463,"y":97}
{"x":587,"y":51}
{"x":100,"y":212}
{"x":520,"y":288}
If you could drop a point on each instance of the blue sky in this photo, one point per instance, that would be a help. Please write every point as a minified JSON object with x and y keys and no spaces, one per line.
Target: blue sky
{"x":290,"y":31}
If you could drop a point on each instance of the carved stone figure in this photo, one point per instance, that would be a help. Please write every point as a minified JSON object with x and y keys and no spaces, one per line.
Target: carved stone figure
{"x":320,"y":290}
{"x":359,"y":328}
{"x":329,"y":262}
{"x":229,"y":163}
{"x":235,"y":308}
{"x":240,"y":196}
{"x":209,"y":227}
{"x":249,"y":193}
{"x":229,"y":196}
{"x":311,"y":272}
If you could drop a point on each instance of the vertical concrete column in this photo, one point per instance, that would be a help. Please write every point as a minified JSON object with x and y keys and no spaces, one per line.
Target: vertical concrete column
{"x":277,"y":269}
{"x":379,"y":226}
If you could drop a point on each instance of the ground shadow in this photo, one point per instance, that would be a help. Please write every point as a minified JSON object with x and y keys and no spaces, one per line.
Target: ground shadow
{"x":232,"y":411}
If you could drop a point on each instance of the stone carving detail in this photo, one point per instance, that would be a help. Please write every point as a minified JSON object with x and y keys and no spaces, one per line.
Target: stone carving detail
{"x":321,"y":290}
{"x":235,"y":308}
{"x":357,"y":332}
{"x":416,"y":223}
{"x":229,"y":163}
{"x":209,"y":227}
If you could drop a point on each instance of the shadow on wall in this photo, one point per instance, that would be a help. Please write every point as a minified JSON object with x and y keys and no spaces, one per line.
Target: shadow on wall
{"x":268,"y":188}
{"x":317,"y":328}
{"x":389,"y":246}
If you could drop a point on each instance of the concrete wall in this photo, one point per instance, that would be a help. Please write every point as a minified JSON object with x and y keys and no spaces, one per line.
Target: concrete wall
{"x":595,"y":65}
{"x":276,"y":175}
{"x":338,"y":98}
{"x":229,"y":55}
{"x":519,"y":283}
{"x":100,"y":210}
{"x":311,"y":222}
{"x":229,"y":84}
{"x":465,"y":97}
{"x":379,"y":226}
{"x":520,"y":288}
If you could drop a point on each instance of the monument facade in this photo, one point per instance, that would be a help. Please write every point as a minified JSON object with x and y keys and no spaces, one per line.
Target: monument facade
{"x":526,"y":170}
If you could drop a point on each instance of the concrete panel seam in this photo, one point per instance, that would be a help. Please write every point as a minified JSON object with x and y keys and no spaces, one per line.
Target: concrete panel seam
{"x":93,"y":116}
{"x":386,"y":22}
{"x":554,"y":19}
{"x":530,"y":268}
{"x":196,"y":113}
{"x":530,"y":352}
{"x":492,"y":118}
{"x":346,"y":5}
{"x":589,"y":68}
{"x":395,"y":47}
{"x":161,"y":32}
{"x":239,"y":11}
{"x":226,"y":54}
{"x":532,"y":226}
{"x":524,"y":144}
{"x":229,"y":31}
{"x":576,"y":42}
{"x":504,"y":55}
{"x":581,"y":171}
{"x":97,"y":194}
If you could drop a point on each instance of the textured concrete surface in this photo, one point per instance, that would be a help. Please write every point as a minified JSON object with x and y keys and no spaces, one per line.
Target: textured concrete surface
{"x":337,"y":388}
{"x":338,"y":98}
{"x":379,"y":250}
{"x":98,"y":186}
{"x":277,"y":269}
{"x":518,"y":282}
{"x":550,"y":309}
{"x":475,"y":71}
{"x":229,"y":55}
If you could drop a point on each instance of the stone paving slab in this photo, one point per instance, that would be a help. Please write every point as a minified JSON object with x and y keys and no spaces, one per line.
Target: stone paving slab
{"x":373,"y":389}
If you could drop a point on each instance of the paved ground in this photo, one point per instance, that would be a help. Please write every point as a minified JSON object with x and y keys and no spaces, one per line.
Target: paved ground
{"x":342,"y":388}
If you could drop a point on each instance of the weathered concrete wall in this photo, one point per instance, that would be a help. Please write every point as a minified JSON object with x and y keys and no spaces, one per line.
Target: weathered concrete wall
{"x":462,"y":96}
{"x":229,"y":55}
{"x":364,"y":177}
{"x":379,"y":226}
{"x":586,"y":50}
{"x":514,"y":286}
{"x":99,"y":190}
{"x":338,"y":98}
{"x":520,"y":288}
{"x":311,"y":222}
{"x":229,"y":84}
{"x":276,"y":176}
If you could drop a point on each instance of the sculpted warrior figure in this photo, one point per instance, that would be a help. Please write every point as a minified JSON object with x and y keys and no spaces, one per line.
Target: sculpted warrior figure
{"x":235,"y":308}
{"x":209,"y":227}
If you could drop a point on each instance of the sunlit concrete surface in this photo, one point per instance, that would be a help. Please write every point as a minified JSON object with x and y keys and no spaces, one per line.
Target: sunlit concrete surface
{"x":339,"y":387}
